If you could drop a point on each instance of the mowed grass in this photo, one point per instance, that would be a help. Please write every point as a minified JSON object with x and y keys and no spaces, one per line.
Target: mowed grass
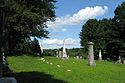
{"x":27,"y":69}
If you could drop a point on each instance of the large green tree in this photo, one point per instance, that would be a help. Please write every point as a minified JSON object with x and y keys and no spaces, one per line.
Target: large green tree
{"x":99,"y":32}
{"x":119,"y":20}
{"x":88,"y":32}
{"x":107,"y":35}
{"x":23,"y":19}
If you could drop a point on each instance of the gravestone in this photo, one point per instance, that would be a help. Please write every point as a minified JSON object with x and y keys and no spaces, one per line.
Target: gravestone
{"x":91,"y":61}
{"x":80,"y":57}
{"x":119,"y":60}
{"x":8,"y":80}
{"x":60,"y":54}
{"x":64,"y":54}
{"x":77,"y":57}
{"x":100,"y":55}
{"x":123,"y":61}
{"x":57,"y":54}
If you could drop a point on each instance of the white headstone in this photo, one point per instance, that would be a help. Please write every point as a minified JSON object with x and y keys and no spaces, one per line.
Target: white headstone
{"x":60,"y":54}
{"x":80,"y":57}
{"x":64,"y":50}
{"x":100,"y":55}
{"x":57,"y":54}
{"x":77,"y":57}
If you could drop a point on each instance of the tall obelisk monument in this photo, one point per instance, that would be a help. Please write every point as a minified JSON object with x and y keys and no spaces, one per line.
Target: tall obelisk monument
{"x":64,"y":50}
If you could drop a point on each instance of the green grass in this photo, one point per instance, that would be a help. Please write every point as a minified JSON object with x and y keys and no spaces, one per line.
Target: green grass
{"x":28,"y":69}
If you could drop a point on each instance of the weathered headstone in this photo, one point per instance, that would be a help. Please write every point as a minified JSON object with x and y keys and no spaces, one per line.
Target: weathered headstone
{"x":57,"y":54}
{"x":91,"y":61}
{"x":119,"y":60}
{"x":100,"y":55}
{"x":77,"y":57}
{"x":60,"y":54}
{"x":80,"y":57}
{"x":123,"y":61}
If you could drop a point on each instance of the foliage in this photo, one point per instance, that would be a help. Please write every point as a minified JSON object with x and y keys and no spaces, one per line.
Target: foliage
{"x":119,"y":20}
{"x":72,"y":52}
{"x":88,"y":32}
{"x":98,"y":32}
{"x":28,"y":46}
{"x":25,"y":18}
{"x":49,"y":52}
{"x":35,"y":47}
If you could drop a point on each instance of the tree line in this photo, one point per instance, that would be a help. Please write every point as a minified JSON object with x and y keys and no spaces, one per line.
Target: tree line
{"x":107,"y":35}
{"x":72,"y":52}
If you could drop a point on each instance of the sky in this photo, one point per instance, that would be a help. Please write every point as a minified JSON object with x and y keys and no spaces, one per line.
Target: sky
{"x":71,"y":15}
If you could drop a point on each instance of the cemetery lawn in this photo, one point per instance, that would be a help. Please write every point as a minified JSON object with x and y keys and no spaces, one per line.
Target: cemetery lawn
{"x":27,"y":69}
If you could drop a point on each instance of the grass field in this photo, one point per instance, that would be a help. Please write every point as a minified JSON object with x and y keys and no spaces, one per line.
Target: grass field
{"x":28,"y":69}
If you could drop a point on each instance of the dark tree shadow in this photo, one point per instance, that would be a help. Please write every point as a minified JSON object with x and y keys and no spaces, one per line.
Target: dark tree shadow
{"x":35,"y":77}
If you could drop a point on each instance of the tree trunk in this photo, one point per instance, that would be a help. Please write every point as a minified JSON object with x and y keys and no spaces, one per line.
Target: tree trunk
{"x":1,"y":58}
{"x":2,"y":25}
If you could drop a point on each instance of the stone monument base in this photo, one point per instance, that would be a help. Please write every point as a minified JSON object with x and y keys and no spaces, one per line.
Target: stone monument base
{"x":8,"y":80}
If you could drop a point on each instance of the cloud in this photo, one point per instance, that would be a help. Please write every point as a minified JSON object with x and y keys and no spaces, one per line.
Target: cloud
{"x":61,"y":23}
{"x":68,"y":41}
{"x":57,"y":43}
{"x":64,"y":29}
{"x":80,"y":17}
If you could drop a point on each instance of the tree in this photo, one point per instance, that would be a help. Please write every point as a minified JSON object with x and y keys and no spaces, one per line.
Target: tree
{"x":105,"y":33}
{"x":1,"y":41}
{"x":25,"y":18}
{"x":35,"y":47}
{"x":99,"y":32}
{"x":119,"y":19}
{"x":33,"y":16}
{"x":24,"y":47}
{"x":88,"y":32}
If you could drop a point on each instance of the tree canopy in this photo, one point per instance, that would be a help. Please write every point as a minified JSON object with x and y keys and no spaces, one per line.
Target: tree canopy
{"x":25,"y":18}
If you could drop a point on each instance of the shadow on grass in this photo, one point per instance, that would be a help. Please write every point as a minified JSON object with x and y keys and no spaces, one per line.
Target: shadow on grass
{"x":35,"y":77}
